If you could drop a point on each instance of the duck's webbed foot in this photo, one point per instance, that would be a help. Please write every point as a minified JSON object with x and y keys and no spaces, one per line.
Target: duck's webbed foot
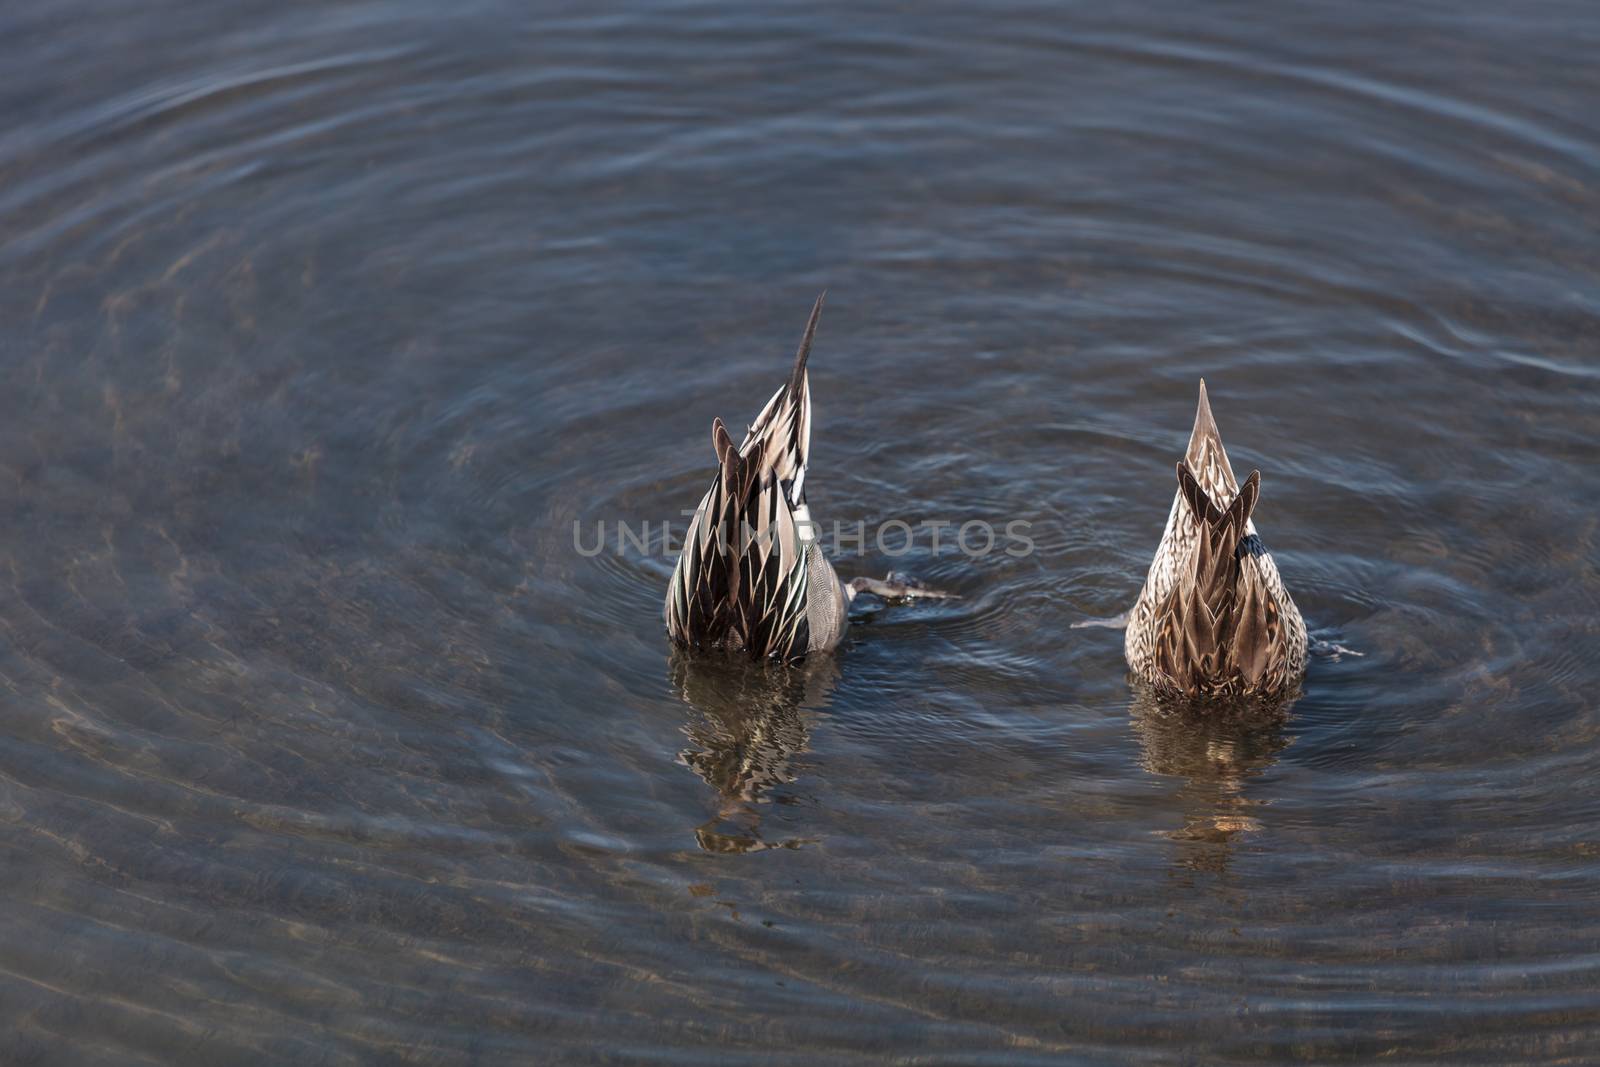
{"x":1332,"y":650}
{"x":897,"y":586}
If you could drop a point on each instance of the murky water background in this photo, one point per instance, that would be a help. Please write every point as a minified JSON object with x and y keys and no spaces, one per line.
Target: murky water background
{"x":323,"y":323}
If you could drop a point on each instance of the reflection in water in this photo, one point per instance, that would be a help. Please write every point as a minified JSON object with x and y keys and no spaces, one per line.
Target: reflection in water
{"x":749,"y":722}
{"x":1218,"y":750}
{"x":323,"y":742}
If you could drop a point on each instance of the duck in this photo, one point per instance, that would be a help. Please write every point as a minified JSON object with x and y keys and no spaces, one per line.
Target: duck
{"x":1214,"y":620}
{"x":752,"y":577}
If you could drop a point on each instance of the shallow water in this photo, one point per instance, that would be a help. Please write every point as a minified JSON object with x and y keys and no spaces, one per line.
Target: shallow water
{"x":324,"y":323}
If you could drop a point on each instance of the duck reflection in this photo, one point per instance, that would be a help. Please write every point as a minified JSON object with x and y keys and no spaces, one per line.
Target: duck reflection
{"x":1217,"y":749}
{"x":750,"y":721}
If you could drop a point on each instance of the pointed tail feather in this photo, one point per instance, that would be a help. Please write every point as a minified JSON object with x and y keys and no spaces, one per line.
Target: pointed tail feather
{"x":1206,"y":457}
{"x":798,"y":377}
{"x":741,"y":580}
{"x":780,"y":437}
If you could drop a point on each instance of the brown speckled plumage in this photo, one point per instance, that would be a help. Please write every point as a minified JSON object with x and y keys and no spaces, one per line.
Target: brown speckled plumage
{"x":1213,"y":618}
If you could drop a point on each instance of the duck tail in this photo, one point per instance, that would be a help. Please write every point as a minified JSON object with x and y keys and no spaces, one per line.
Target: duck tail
{"x":1200,"y":648}
{"x":1206,"y":458}
{"x":781,"y":434}
{"x":705,"y":581}
{"x":1235,"y":515}
{"x":741,"y":579}
{"x":1223,"y":530}
{"x":797,"y":379}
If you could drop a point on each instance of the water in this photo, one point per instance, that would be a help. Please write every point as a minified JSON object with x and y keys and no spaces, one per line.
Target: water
{"x":324,"y":323}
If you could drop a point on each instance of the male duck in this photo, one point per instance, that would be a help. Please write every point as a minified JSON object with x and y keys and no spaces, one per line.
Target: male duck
{"x":1213,"y":619}
{"x":752,"y":577}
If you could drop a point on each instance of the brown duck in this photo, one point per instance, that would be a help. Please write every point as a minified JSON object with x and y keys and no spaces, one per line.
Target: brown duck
{"x":1213,"y":619}
{"x":752,"y":577}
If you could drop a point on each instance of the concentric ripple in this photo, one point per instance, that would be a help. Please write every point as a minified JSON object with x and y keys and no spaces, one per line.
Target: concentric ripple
{"x":336,"y":334}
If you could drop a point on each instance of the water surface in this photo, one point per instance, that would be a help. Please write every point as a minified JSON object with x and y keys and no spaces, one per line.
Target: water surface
{"x":324,"y":323}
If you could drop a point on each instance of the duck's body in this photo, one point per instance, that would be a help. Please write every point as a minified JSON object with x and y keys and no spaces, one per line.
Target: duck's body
{"x":752,"y":576}
{"x":1213,"y":619}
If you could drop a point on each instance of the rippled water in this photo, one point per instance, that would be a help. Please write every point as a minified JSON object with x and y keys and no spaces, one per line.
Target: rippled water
{"x":324,"y":323}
